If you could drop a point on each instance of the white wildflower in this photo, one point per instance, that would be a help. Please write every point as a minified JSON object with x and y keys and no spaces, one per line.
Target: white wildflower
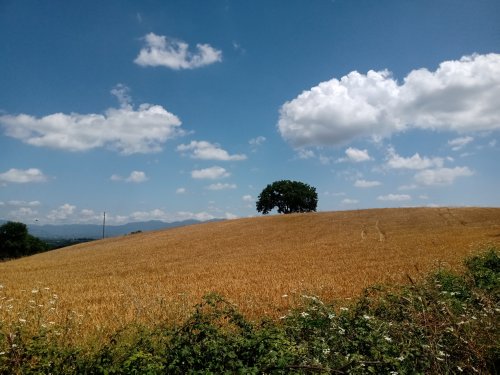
{"x":344,"y":309}
{"x":367,"y":317}
{"x":304,"y":314}
{"x":460,"y":369}
{"x":326,"y":351}
{"x":331,"y":316}
{"x":387,"y":338}
{"x":401,"y":358}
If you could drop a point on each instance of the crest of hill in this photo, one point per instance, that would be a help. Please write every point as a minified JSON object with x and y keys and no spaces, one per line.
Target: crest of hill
{"x":258,"y":263}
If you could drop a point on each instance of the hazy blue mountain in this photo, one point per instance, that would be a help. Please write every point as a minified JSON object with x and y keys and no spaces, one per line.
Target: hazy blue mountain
{"x":94,"y":231}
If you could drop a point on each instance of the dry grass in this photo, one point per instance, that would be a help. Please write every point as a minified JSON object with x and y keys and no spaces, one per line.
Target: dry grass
{"x":261,"y":264}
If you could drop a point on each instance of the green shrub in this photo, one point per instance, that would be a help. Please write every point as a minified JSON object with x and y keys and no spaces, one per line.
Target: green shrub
{"x":446,"y":324}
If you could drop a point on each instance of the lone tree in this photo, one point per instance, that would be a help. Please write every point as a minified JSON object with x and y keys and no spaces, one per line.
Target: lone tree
{"x":288,"y":197}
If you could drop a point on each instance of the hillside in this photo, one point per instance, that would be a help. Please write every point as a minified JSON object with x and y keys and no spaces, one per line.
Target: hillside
{"x":262,"y":264}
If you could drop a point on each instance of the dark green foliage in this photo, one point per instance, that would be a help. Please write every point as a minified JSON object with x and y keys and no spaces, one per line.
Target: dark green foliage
{"x":485,"y":271}
{"x":448,"y":324}
{"x":288,"y":197}
{"x":15,"y":241}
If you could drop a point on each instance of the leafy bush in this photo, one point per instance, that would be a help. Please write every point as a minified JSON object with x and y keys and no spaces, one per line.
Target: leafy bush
{"x":446,"y":324}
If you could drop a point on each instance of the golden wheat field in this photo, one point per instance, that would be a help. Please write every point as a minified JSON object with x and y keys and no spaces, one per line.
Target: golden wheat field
{"x":261,"y":264}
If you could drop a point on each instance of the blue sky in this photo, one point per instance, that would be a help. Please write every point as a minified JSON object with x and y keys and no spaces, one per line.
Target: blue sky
{"x":188,"y":109}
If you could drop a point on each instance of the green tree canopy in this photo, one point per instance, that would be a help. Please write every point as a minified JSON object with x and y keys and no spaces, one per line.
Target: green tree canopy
{"x":288,"y":197}
{"x":15,"y":241}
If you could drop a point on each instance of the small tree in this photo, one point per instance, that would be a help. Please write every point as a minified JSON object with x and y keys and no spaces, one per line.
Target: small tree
{"x":287,"y":196}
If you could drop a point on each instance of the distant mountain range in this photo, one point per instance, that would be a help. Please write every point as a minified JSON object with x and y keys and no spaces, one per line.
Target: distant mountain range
{"x":94,"y":231}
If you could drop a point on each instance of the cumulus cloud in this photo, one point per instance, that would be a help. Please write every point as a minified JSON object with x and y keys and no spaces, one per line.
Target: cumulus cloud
{"x":125,"y":129}
{"x":135,"y":177}
{"x":396,"y":161}
{"x":459,"y":143}
{"x":211,"y":173}
{"x":22,"y":176}
{"x":247,"y":198}
{"x":355,"y":155}
{"x":221,"y":186}
{"x":458,"y":96}
{"x":174,"y":54}
{"x":208,"y":151}
{"x":181,"y":190}
{"x":394,"y":197}
{"x":366,"y":184}
{"x":62,"y":212}
{"x":442,"y":176}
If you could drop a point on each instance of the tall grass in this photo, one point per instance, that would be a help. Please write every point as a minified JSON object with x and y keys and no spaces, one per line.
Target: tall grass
{"x":447,"y":323}
{"x":263,"y":264}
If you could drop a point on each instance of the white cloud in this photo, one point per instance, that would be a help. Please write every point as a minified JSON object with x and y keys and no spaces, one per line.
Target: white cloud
{"x":22,"y":176}
{"x":355,"y":155}
{"x":394,"y":197}
{"x":123,"y":129}
{"x":305,"y":154}
{"x":408,"y":187}
{"x":459,"y":143}
{"x":220,"y":186}
{"x":209,"y":151}
{"x":181,"y":190}
{"x":366,"y":184}
{"x":23,"y":214}
{"x":258,"y":141}
{"x":121,"y":92}
{"x":247,"y":198}
{"x":349,"y":201}
{"x":396,"y":161}
{"x":442,"y":176}
{"x":211,"y":173}
{"x":175,"y":54}
{"x":62,"y":212}
{"x":135,"y":177}
{"x":24,"y":203}
{"x":459,"y":96}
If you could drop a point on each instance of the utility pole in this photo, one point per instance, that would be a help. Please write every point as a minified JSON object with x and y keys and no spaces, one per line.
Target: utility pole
{"x":103,"y":224}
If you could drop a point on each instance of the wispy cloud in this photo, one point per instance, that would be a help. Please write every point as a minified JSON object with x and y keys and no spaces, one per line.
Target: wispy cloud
{"x":221,"y":186}
{"x":135,"y":177}
{"x":394,"y":197}
{"x":459,"y":143}
{"x":174,"y":54}
{"x":366,"y":184}
{"x":211,"y":173}
{"x":442,"y":176}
